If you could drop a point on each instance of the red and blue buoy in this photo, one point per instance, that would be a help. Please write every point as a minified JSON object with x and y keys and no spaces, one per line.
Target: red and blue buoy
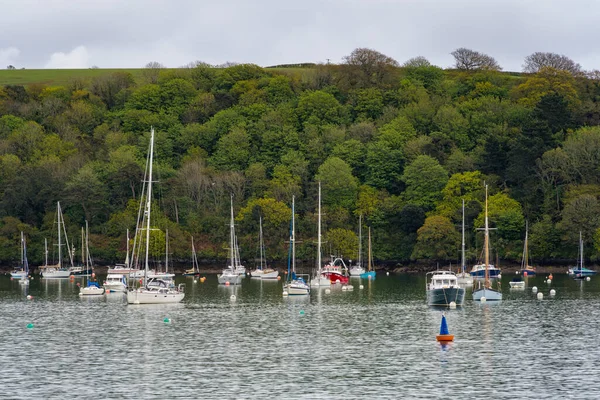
{"x":444,"y":336}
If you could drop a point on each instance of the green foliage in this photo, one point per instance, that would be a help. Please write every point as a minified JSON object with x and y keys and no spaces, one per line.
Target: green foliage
{"x":424,"y":179}
{"x":437,"y":239}
{"x":339,"y":186}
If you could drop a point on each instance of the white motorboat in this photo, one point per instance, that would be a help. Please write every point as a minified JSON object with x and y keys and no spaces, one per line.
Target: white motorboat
{"x":442,"y":288}
{"x":92,"y":289}
{"x":115,"y":283}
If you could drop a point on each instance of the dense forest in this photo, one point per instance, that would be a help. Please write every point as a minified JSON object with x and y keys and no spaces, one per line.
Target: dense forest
{"x":401,"y":145}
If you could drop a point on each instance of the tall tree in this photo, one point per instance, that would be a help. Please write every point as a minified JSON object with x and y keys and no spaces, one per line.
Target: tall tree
{"x":469,"y":60}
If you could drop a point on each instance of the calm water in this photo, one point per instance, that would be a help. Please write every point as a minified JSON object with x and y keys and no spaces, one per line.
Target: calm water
{"x":378,"y":342}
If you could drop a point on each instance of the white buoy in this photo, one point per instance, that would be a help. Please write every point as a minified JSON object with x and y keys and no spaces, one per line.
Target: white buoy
{"x":587,"y":279}
{"x":534,"y":289}
{"x":233,"y":298}
{"x":540,"y":296}
{"x":285,"y":293}
{"x":516,"y":272}
{"x":387,"y":273}
{"x":344,"y":288}
{"x":549,"y":281}
{"x":483,"y":299}
{"x":499,"y":276}
{"x":452,"y":305}
{"x":327,"y":291}
{"x":29,"y":297}
{"x":361,"y":287}
{"x":552,"y":292}
{"x":195,"y":281}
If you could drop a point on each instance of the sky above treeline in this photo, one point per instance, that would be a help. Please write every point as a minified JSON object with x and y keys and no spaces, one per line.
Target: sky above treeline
{"x":129,"y":34}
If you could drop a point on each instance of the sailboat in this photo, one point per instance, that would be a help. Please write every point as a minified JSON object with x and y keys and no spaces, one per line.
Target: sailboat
{"x":195,"y":269}
{"x":358,"y":269}
{"x":93,"y":287}
{"x":464,"y":278}
{"x":229,"y":275}
{"x":25,"y":279}
{"x":85,"y":269}
{"x":370,"y":274}
{"x":58,"y":270}
{"x":319,"y":280}
{"x":486,"y":293}
{"x":262,"y":271}
{"x":296,"y":284}
{"x":153,"y":291}
{"x":580,"y":272}
{"x":126,"y":268}
{"x":526,"y":269}
{"x":20,"y":272}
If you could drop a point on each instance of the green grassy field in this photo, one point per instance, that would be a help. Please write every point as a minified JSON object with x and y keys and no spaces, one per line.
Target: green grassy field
{"x":55,"y":77}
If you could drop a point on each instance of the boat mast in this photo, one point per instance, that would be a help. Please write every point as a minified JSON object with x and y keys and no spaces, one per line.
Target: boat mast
{"x":82,"y":248}
{"x":46,"y":250}
{"x":261,"y":243}
{"x":293,"y":239}
{"x":166,"y":251}
{"x":369,"y":255}
{"x":88,"y":259}
{"x":525,"y":247}
{"x":319,"y":234}
{"x":486,"y":241}
{"x":231,"y":237}
{"x":148,"y":205}
{"x":581,"y":252}
{"x":22,"y":251}
{"x":360,"y":240}
{"x":59,"y":244}
{"x":127,"y":256}
{"x":463,"y":237}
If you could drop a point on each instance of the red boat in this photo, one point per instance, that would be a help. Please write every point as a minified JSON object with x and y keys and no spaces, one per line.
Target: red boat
{"x":336,"y":271}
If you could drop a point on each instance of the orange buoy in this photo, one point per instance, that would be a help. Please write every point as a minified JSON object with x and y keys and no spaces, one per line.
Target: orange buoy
{"x":444,"y":335}
{"x":226,"y":283}
{"x":525,"y":273}
{"x":550,"y":277}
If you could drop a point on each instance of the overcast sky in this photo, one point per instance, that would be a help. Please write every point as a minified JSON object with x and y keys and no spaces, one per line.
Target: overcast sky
{"x":131,"y":33}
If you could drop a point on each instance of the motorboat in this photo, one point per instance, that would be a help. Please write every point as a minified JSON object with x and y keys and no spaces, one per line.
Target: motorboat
{"x":442,"y":289}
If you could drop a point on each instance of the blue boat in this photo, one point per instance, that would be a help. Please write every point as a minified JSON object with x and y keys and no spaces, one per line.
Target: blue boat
{"x":370,"y":274}
{"x":580,"y":272}
{"x":478,"y":271}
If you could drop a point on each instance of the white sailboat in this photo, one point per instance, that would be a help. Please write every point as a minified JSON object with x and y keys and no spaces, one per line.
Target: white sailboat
{"x":319,"y":280}
{"x":85,"y":269}
{"x":464,"y":277}
{"x":485,"y":292}
{"x":296,"y":285}
{"x":20,"y":272}
{"x":126,"y":268}
{"x":59,"y":271}
{"x":358,"y":269}
{"x":262,"y":271}
{"x":25,"y":279}
{"x":93,"y":288}
{"x":229,"y":275}
{"x":153,"y":291}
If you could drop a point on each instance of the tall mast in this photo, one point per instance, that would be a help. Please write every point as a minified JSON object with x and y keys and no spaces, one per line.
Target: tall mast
{"x":293,"y":239}
{"x":82,"y":248}
{"x":231,"y":237}
{"x":525,"y":247}
{"x":166,"y":250}
{"x":127,"y":256}
{"x":59,"y":244}
{"x":88,"y":259}
{"x":369,"y":255}
{"x":463,"y":237}
{"x":487,"y":241}
{"x":22,"y":251}
{"x":319,"y":234}
{"x":360,"y":240}
{"x":261,"y":242}
{"x":149,"y":204}
{"x":46,"y":250}
{"x":581,"y":252}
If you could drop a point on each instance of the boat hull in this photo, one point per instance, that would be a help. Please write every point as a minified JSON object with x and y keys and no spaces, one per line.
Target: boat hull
{"x":517,"y":284}
{"x":229,"y":279}
{"x":142,"y":296}
{"x":357,"y":271}
{"x":529,"y":272}
{"x":464,"y":279}
{"x":443,"y":297}
{"x":320,"y":281}
{"x":56,"y":274}
{"x":489,"y":294}
{"x":493,"y":273}
{"x":295,"y":288}
{"x":18,"y":274}
{"x":273,"y":274}
{"x":91,"y":291}
{"x":368,"y":275}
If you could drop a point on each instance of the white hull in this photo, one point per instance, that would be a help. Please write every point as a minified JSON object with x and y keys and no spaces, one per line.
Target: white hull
{"x":489,"y":294}
{"x":517,"y":285}
{"x":115,"y":287}
{"x":126,"y":271}
{"x":18,"y":275}
{"x":270,"y":274}
{"x":296,"y":289}
{"x":229,"y":278}
{"x":144,"y":296}
{"x":356,"y":271}
{"x":320,"y":281}
{"x":91,"y":291}
{"x":240,"y":270}
{"x":464,"y":279}
{"x":56,"y":274}
{"x":257,"y":273}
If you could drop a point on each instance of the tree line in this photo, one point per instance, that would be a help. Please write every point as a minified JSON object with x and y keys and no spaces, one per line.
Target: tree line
{"x":401,"y":145}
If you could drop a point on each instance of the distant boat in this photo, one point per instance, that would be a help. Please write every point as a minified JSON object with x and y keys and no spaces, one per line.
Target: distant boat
{"x":464,"y":278}
{"x":194,"y":270}
{"x":25,"y":279}
{"x":442,"y":288}
{"x":93,"y":288}
{"x":59,"y":271}
{"x":85,"y":269}
{"x":126,"y":268}
{"x":526,"y":269}
{"x":115,"y":283}
{"x":336,"y":271}
{"x":580,"y":272}
{"x":262,"y":271}
{"x":295,"y":285}
{"x":358,"y":269}
{"x":486,"y":292}
{"x":153,"y":291}
{"x":319,"y":279}
{"x":22,"y":272}
{"x":517,"y":283}
{"x":229,"y":275}
{"x":370,"y":273}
